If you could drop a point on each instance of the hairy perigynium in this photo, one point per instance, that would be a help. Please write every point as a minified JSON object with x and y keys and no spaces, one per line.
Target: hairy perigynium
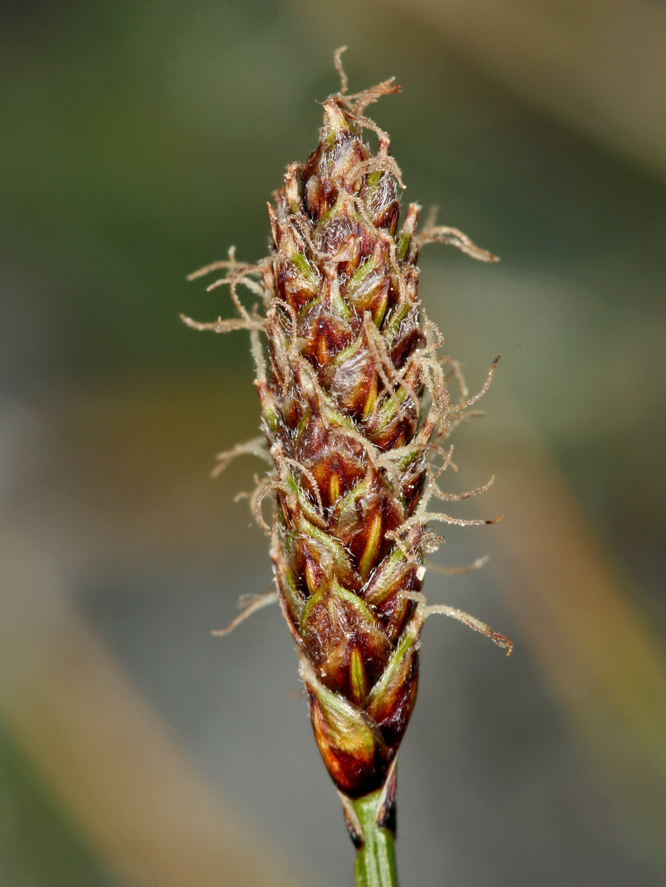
{"x":355,"y":409}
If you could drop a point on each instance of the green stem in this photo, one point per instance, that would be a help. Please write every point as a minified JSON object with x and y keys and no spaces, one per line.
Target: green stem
{"x":375,"y":858}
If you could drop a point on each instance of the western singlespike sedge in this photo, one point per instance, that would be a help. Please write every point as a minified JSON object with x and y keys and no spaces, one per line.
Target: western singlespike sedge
{"x":355,"y":410}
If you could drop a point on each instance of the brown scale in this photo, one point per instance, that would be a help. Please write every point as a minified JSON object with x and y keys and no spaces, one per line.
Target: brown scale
{"x":355,"y":773}
{"x":346,"y":261}
{"x":351,"y":379}
{"x":294,"y":289}
{"x":332,"y":627}
{"x":398,"y":430}
{"x":323,"y":332}
{"x":338,"y":151}
{"x":330,"y":236}
{"x":373,"y":296}
{"x":382,"y":204}
{"x":412,"y":484}
{"x":364,"y":533}
{"x":405,"y":346}
{"x":336,"y":460}
{"x":308,"y":558}
{"x":395,"y":611}
{"x":391,"y":711}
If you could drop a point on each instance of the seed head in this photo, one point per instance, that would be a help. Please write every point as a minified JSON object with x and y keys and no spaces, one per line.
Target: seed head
{"x":356,"y":408}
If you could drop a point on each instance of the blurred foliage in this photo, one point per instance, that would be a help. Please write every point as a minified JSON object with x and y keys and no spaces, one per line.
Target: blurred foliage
{"x":140,"y":140}
{"x":37,"y":843}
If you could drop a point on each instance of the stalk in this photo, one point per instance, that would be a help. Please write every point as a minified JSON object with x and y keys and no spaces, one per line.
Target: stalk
{"x":375,"y":857}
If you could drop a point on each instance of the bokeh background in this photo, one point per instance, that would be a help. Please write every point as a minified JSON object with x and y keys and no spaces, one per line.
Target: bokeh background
{"x":139,"y":141}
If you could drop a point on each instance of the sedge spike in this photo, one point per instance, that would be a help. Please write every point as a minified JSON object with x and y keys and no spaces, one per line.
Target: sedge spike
{"x":355,"y":409}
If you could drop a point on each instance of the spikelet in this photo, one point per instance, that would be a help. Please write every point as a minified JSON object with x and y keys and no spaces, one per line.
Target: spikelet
{"x":355,"y":409}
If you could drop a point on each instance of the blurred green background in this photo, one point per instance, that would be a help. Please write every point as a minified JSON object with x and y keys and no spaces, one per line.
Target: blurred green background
{"x":139,"y":141}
